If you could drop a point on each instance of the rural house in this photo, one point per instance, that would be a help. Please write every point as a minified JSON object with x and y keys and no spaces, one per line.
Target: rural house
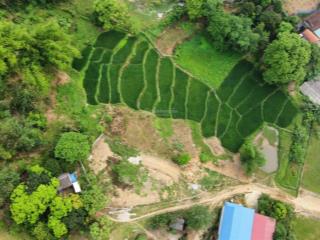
{"x":312,"y":28}
{"x":241,"y":223}
{"x":311,"y":89}
{"x":69,"y":181}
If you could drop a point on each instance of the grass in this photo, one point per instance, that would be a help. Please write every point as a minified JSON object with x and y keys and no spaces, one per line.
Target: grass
{"x":79,"y":63}
{"x":109,"y":40}
{"x":114,"y":80}
{"x":205,"y":151}
{"x":149,"y":96}
{"x":306,"y":228}
{"x":121,"y":56}
{"x":225,"y":114}
{"x":232,"y":137}
{"x":104,"y":89}
{"x":288,"y":113}
{"x":164,"y":127}
{"x":97,"y":54}
{"x":206,"y":63}
{"x":273,"y":106}
{"x":165,"y":84}
{"x":197,"y":102}
{"x":178,"y":109}
{"x":311,"y":176}
{"x":4,"y":235}
{"x":209,"y":122}
{"x":132,"y":84}
{"x":270,"y":134}
{"x":90,"y":82}
{"x":250,"y":122}
{"x":140,"y":52}
{"x":106,"y":56}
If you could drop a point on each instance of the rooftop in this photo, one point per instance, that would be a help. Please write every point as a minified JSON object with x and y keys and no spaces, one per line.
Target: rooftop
{"x":313,"y":21}
{"x":310,"y":36}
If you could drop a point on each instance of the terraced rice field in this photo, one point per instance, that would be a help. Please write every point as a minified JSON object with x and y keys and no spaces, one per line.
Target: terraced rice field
{"x":123,"y":69}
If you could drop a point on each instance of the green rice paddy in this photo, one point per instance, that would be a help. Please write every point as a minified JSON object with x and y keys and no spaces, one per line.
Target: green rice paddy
{"x":123,"y":69}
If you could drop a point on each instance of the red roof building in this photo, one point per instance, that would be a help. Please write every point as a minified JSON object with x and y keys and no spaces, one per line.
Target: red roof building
{"x":310,"y":36}
{"x":263,"y":227}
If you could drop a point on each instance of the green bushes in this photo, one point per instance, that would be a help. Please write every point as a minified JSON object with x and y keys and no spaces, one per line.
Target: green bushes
{"x":250,"y":156}
{"x":282,"y":212}
{"x":182,"y":159}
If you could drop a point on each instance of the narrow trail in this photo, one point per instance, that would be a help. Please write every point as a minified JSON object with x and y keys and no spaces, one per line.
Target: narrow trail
{"x":308,"y":205}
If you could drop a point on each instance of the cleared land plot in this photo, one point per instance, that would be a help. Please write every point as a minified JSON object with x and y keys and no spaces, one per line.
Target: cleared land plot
{"x":204,"y":61}
{"x":166,"y":75}
{"x":134,"y":73}
{"x":149,"y":95}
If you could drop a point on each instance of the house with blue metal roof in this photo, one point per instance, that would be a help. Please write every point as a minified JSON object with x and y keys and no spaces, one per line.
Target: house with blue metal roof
{"x":236,"y":222}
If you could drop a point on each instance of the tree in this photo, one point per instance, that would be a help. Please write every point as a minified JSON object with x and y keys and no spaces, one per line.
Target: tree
{"x":112,"y":14}
{"x":195,"y":8}
{"x":314,"y":64}
{"x":27,"y":208}
{"x":285,"y":59}
{"x":250,"y":156}
{"x":100,"y":230}
{"x":94,"y":199}
{"x":231,"y":31}
{"x":72,"y":147}
{"x":182,"y":159}
{"x":27,"y":52}
{"x":198,"y":217}
{"x":9,"y":179}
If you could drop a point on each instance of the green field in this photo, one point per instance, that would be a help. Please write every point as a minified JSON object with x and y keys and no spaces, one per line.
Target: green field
{"x":135,"y":74}
{"x":311,"y":176}
{"x":307,"y":228}
{"x":206,"y":63}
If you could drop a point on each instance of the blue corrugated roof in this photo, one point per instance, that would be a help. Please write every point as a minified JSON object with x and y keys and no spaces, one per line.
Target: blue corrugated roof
{"x":236,"y":222}
{"x":73,"y":177}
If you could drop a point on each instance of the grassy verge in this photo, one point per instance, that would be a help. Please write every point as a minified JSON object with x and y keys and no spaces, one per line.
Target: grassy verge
{"x":206,"y":63}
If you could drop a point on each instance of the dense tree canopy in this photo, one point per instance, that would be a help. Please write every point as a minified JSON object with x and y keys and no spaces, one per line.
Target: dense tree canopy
{"x":195,"y":8}
{"x":228,"y":30}
{"x":28,"y":52}
{"x":286,"y":58}
{"x":72,"y":147}
{"x":112,"y":14}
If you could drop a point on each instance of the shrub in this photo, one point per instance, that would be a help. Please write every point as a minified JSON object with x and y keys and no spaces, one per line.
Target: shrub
{"x":198,"y":217}
{"x":182,"y":159}
{"x":72,"y":147}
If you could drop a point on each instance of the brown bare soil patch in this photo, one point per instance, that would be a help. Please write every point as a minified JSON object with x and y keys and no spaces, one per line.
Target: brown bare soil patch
{"x":183,"y":135}
{"x":215,"y":146}
{"x":300,"y":6}
{"x":170,"y":38}
{"x":99,"y":155}
{"x":231,"y":168}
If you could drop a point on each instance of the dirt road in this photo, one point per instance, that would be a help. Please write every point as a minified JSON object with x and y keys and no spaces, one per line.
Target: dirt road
{"x":308,"y":205}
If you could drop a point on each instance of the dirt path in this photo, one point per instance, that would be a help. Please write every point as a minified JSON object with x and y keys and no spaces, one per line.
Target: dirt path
{"x":161,"y":165}
{"x":306,"y":204}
